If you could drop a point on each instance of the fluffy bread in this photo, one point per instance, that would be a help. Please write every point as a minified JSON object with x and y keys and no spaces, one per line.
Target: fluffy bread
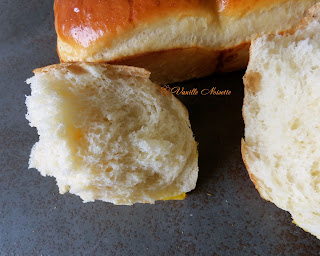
{"x":281,"y":110}
{"x":175,"y":39}
{"x":107,"y":133}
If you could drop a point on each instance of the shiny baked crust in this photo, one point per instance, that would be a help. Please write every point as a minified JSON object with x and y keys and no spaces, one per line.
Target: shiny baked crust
{"x":207,"y":34}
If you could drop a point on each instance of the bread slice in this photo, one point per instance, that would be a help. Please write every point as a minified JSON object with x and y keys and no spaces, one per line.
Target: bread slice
{"x":281,"y":110}
{"x":107,"y":133}
{"x":175,"y":39}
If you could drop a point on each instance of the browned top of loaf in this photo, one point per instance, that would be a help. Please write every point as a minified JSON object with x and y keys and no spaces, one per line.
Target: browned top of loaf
{"x":85,"y":22}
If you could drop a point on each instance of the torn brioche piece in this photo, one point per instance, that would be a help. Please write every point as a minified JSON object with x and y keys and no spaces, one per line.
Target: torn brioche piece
{"x":108,"y":133}
{"x":175,"y":39}
{"x":281,"y":110}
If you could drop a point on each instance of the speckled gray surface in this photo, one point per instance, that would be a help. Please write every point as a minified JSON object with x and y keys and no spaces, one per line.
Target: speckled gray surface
{"x":224,"y":215}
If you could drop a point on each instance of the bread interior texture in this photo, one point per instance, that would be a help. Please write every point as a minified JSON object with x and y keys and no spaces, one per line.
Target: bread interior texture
{"x":107,"y":133}
{"x":281,"y":111}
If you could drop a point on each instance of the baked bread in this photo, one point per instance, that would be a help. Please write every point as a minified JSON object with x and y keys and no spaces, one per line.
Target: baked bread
{"x":108,"y":133}
{"x":175,"y":39}
{"x":282,"y":122}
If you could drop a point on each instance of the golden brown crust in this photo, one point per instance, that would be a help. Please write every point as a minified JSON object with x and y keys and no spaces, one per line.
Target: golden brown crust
{"x":98,"y":20}
{"x":101,"y":30}
{"x":81,"y":23}
{"x":241,"y":7}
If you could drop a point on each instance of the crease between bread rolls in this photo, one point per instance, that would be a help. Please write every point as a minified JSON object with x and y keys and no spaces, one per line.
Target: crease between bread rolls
{"x":108,"y":133}
{"x":175,"y":40}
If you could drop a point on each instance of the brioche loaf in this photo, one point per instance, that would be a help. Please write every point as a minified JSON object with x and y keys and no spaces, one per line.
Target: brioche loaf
{"x":175,"y":39}
{"x":281,"y":110}
{"x":107,"y":133}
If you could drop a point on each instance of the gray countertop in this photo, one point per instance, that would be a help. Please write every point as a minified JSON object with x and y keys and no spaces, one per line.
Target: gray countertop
{"x":224,"y":215}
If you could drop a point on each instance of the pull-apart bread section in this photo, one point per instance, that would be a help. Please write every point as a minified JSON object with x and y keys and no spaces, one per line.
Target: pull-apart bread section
{"x":282,"y":120}
{"x":108,"y":133}
{"x":175,"y":39}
